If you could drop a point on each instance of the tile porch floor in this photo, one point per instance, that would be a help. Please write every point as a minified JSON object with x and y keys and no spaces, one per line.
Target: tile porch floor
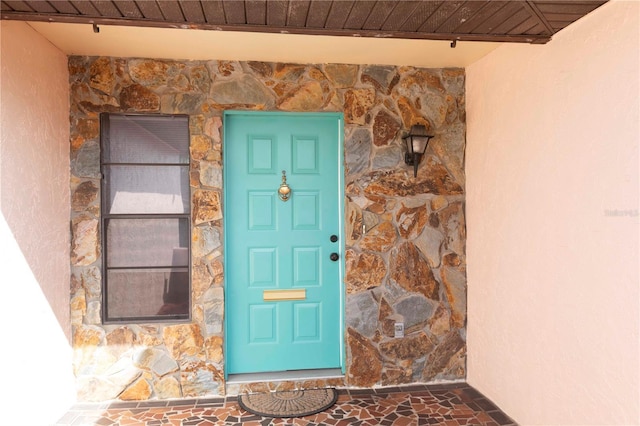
{"x":449,"y":404}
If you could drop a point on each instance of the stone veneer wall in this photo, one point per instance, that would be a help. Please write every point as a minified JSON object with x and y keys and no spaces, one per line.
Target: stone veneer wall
{"x":405,"y":258}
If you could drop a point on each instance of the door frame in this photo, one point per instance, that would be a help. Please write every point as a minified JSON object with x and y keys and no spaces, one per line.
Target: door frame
{"x":341,"y":219}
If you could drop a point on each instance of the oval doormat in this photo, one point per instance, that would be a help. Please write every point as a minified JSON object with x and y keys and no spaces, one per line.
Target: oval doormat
{"x":297,"y":403}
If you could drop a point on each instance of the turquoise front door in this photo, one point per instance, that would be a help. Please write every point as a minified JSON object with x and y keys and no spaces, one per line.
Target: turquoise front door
{"x":284,"y":244}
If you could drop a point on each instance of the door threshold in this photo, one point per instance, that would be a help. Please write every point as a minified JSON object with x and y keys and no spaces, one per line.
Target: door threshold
{"x":325,"y":373}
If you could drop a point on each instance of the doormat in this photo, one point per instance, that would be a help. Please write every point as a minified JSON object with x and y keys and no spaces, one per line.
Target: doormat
{"x":297,"y":403}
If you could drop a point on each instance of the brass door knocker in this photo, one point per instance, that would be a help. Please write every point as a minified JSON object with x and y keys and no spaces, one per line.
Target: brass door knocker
{"x":284,"y":192}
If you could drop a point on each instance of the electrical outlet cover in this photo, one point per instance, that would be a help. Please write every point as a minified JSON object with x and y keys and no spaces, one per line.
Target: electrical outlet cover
{"x":399,"y":329}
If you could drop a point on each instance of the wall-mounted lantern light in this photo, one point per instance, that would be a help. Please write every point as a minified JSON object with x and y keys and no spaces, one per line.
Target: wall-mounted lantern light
{"x":417,"y":141}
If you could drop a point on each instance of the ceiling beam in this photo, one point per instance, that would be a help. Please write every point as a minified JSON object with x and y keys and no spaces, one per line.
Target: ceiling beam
{"x":535,"y":12}
{"x":19,"y":16}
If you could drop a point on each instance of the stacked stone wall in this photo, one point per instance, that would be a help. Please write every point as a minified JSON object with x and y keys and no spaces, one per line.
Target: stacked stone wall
{"x":405,"y":247}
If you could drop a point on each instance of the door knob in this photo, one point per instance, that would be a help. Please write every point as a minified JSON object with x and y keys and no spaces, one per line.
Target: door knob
{"x":333,"y":238}
{"x":334,"y":256}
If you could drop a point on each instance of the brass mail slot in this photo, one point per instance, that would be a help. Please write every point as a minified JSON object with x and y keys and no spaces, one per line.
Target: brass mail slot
{"x":293,"y":294}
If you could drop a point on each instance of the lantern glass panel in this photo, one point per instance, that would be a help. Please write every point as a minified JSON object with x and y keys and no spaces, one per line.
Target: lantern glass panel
{"x":419,"y":144}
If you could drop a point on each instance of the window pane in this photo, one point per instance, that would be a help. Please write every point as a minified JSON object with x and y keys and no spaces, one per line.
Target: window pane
{"x":146,"y":256}
{"x":147,"y":189}
{"x":147,"y":242}
{"x":147,"y":139}
{"x":147,"y":293}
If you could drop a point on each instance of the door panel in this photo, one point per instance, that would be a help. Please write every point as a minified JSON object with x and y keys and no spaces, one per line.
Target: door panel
{"x":306,"y":211}
{"x":280,"y":249}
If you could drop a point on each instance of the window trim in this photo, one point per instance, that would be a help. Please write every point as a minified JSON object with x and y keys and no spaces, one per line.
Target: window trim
{"x":104,"y":217}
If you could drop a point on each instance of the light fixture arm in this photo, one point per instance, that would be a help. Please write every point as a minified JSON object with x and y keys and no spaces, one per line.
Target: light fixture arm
{"x":412,"y":159}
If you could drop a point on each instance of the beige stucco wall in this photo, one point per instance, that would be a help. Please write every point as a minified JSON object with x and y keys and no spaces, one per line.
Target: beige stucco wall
{"x":34,"y":227}
{"x":552,"y":205}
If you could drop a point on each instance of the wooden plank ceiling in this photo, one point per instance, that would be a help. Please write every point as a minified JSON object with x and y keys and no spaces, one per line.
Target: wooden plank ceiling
{"x":527,"y":21}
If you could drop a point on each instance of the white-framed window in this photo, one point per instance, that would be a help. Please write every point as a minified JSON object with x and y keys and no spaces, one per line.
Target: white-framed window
{"x":145,"y":217}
